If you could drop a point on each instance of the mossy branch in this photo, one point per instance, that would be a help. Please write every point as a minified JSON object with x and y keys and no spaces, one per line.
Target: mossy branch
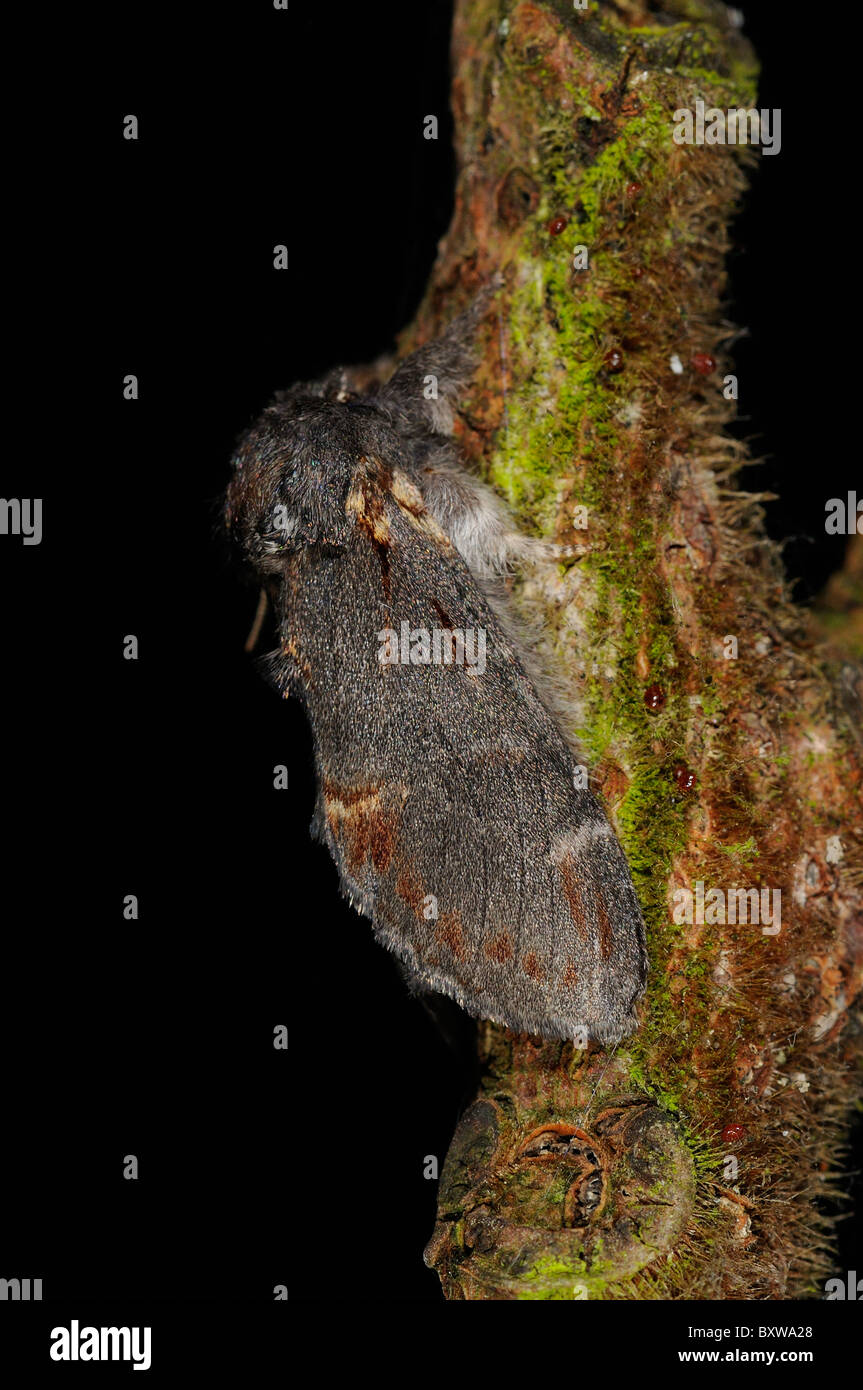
{"x":698,"y":1160}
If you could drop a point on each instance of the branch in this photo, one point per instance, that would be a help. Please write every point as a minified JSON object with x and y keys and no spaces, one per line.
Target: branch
{"x":695,"y":1160}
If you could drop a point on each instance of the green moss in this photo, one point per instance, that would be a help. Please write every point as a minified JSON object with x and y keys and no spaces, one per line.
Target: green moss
{"x":569,"y":438}
{"x":564,"y":321}
{"x":552,"y":1267}
{"x":744,"y":852}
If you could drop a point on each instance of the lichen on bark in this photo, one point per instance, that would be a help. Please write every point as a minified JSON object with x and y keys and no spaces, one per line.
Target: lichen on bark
{"x":732,"y":763}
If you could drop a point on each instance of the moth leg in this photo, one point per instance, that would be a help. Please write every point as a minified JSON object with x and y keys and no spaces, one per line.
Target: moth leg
{"x":449,"y":359}
{"x":281,"y":670}
{"x":477,"y":523}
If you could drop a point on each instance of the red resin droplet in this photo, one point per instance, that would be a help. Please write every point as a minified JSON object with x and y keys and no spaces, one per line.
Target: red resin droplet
{"x":633,"y":189}
{"x":654,"y":697}
{"x":614,"y":360}
{"x":684,"y":778}
{"x":556,"y":225}
{"x":704,"y":363}
{"x":732,"y":1134}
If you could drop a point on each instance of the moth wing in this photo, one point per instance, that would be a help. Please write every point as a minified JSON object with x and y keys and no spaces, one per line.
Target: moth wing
{"x":481,"y":865}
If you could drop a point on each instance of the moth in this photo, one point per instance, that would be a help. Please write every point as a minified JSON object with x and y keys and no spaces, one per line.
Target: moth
{"x":447,"y":792}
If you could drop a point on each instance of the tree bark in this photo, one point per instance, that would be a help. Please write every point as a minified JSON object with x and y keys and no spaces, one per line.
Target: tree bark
{"x":701,"y":1157}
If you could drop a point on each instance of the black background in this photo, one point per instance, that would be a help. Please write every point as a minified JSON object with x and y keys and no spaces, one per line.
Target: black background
{"x":155,"y":777}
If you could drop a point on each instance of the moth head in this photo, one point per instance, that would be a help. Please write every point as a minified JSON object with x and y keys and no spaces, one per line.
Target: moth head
{"x":292,"y":474}
{"x":294,"y":469}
